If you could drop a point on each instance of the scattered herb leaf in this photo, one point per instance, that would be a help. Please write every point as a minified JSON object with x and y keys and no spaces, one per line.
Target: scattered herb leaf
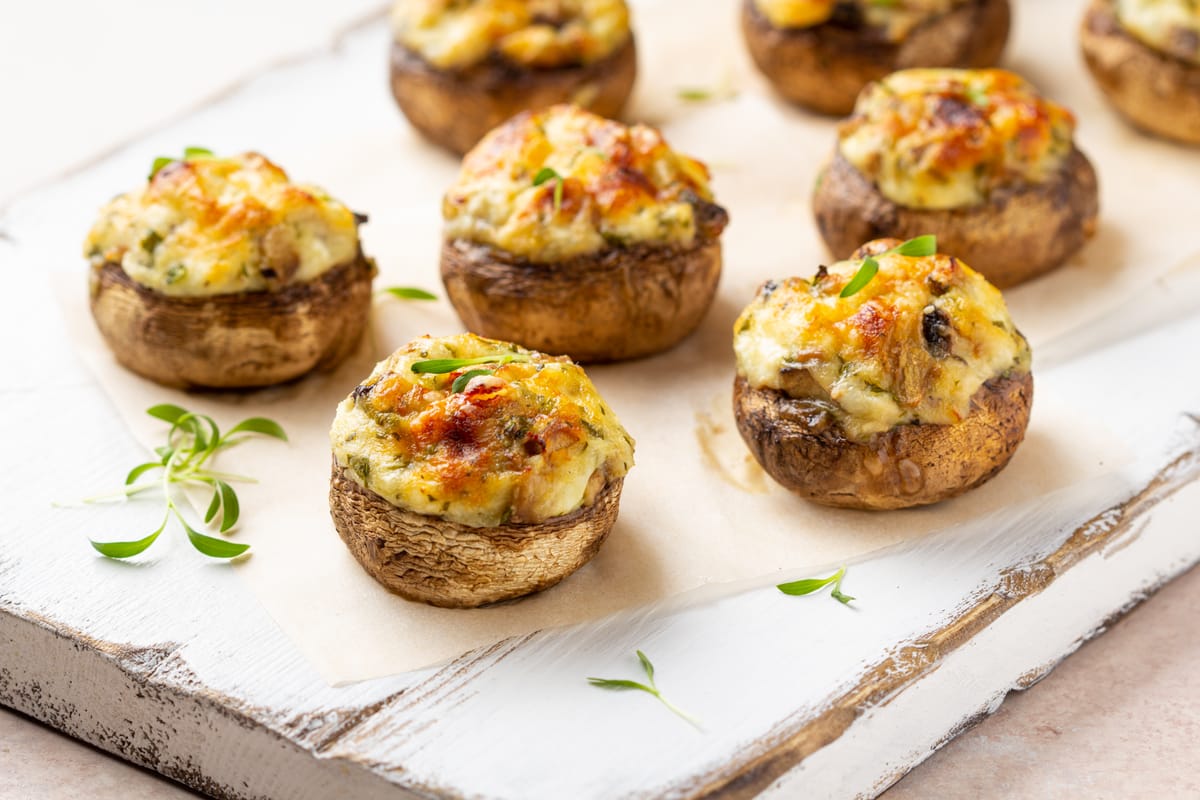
{"x":440,"y":366}
{"x":651,"y":689}
{"x":810,"y":585}
{"x":919,"y":247}
{"x":192,"y":440}
{"x":191,"y":152}
{"x":544,"y":174}
{"x":409,"y":293}
{"x":461,"y":381}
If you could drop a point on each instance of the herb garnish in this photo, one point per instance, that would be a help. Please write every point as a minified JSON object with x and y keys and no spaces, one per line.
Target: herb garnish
{"x":621,"y":684}
{"x":460,"y":383}
{"x":440,"y":366}
{"x":408,"y":293}
{"x":188,"y":153}
{"x":919,"y":247}
{"x":191,"y":441}
{"x":549,"y":173}
{"x":810,"y":585}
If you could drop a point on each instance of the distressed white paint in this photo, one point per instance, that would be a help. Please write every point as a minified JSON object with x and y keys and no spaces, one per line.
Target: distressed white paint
{"x":172,"y":664}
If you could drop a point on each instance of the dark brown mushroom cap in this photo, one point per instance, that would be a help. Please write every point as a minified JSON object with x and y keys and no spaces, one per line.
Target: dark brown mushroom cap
{"x":620,"y":303}
{"x":239,"y":340}
{"x":802,"y":446}
{"x":456,"y":108}
{"x":452,"y":565}
{"x":824,"y":67}
{"x":1155,"y":91}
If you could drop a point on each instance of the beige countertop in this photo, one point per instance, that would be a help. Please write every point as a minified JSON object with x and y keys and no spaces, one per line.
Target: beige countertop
{"x":1118,"y":719}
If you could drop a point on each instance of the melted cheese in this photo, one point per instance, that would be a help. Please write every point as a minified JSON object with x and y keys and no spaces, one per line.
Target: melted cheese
{"x":913,"y":346}
{"x":209,"y":226}
{"x":525,"y":442}
{"x":620,"y":186}
{"x":945,"y":138}
{"x":1169,"y":26}
{"x":895,"y":19}
{"x":538,"y":34}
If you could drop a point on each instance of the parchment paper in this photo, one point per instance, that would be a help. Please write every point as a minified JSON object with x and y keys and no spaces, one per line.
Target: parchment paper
{"x":696,"y":510}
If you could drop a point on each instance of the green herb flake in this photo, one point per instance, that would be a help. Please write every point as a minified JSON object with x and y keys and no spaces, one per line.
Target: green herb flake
{"x":621,"y":684}
{"x":192,"y":440}
{"x":408,"y":293}
{"x":544,"y":174}
{"x":175,"y":273}
{"x":460,"y":383}
{"x":918,"y":247}
{"x":868,"y":270}
{"x":810,"y":585}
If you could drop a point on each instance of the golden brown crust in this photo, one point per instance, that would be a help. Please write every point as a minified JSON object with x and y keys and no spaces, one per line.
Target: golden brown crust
{"x":452,"y":565}
{"x":1020,"y":233}
{"x":824,"y":67}
{"x":618,"y":304}
{"x":455,"y":109}
{"x":800,"y":445}
{"x":1154,"y":91}
{"x":235,"y":340}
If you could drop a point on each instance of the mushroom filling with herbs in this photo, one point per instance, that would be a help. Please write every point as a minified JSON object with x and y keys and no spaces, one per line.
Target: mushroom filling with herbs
{"x":480,"y":432}
{"x":562,"y":182}
{"x":204,"y":225}
{"x":1168,"y":26}
{"x":895,"y":19}
{"x":946,"y":138}
{"x":911,"y":343}
{"x":542,"y":34}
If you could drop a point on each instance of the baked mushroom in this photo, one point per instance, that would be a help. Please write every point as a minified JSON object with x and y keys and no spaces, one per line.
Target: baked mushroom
{"x":222,"y":273}
{"x":570,"y":233}
{"x":891,"y":380}
{"x":820,"y":53}
{"x":976,"y":157}
{"x":469,"y":471}
{"x":461,"y":67}
{"x":1145,"y":55}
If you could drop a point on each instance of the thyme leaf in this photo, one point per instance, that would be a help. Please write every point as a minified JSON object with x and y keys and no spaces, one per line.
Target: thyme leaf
{"x":810,"y":585}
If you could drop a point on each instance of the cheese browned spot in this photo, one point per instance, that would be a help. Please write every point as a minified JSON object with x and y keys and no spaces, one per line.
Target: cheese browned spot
{"x":210,"y":226}
{"x":1169,"y":26}
{"x":525,"y":442}
{"x":894,"y":18}
{"x":620,"y":186}
{"x":538,"y":34}
{"x":946,"y":138}
{"x":913,"y":346}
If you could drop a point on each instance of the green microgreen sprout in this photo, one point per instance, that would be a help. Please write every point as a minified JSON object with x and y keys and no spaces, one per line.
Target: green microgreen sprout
{"x":919,"y":247}
{"x":460,"y":383}
{"x":621,"y":684}
{"x":408,"y":293}
{"x":189,"y":153}
{"x":549,"y":173}
{"x":810,"y":585}
{"x":192,"y":440}
{"x":440,"y":366}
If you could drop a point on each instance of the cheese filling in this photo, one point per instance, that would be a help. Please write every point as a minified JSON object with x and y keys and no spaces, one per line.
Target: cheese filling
{"x":563,"y":182}
{"x":946,"y":138}
{"x":1169,"y":26}
{"x":912,"y":347}
{"x":210,"y":226}
{"x":896,"y":19}
{"x":520,"y":441}
{"x":537,"y":34}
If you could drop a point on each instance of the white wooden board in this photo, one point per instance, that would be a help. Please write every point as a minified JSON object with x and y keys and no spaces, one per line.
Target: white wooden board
{"x":172,"y":664}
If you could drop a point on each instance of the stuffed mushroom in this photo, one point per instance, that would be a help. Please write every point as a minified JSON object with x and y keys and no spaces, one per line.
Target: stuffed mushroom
{"x":1145,"y":55}
{"x":461,"y":67}
{"x":570,"y":233}
{"x":976,"y":157}
{"x":222,"y":273}
{"x":820,"y":53}
{"x":891,"y":380}
{"x":469,"y":471}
